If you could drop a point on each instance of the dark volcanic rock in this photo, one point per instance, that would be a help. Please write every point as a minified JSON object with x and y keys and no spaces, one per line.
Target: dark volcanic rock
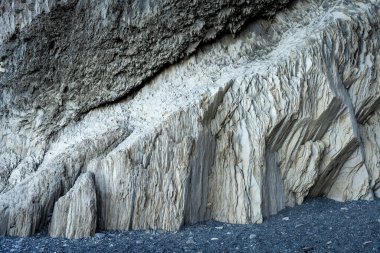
{"x":83,"y":54}
{"x":319,"y":225}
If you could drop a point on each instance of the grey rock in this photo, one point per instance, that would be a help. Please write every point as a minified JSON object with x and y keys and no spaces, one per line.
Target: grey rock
{"x":284,"y":110}
{"x":62,"y":59}
{"x":190,"y":241}
{"x":74,"y":214}
{"x":99,"y":235}
{"x":86,"y":54}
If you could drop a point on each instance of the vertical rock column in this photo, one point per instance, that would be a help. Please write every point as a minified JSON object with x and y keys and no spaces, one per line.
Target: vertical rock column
{"x":74,"y":214}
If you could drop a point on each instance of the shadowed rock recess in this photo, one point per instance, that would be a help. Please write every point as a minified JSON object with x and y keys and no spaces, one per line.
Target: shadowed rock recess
{"x":117,"y":115}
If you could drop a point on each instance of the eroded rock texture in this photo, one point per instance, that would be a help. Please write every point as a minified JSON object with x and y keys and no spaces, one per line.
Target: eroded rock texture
{"x":287,"y":109}
{"x":74,"y":214}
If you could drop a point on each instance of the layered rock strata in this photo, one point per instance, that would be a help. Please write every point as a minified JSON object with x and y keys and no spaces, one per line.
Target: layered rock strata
{"x":288,"y":109}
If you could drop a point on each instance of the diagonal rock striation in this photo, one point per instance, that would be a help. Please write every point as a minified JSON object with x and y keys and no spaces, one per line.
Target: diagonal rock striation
{"x":285,"y":110}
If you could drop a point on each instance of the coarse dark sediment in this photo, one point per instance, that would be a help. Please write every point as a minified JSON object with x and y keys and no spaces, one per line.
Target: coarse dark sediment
{"x":319,"y":225}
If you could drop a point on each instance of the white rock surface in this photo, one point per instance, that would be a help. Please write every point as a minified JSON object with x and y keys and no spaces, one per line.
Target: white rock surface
{"x":370,"y":132}
{"x":288,"y":109}
{"x":74,"y":214}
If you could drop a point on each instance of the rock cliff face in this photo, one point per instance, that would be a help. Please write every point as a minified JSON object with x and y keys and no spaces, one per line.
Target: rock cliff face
{"x":78,"y":206}
{"x":105,"y":123}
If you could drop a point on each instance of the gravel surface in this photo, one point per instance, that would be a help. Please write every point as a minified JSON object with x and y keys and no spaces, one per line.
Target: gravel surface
{"x":319,"y":225}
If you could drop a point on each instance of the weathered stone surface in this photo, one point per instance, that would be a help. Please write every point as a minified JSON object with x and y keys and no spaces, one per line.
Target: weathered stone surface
{"x":25,"y":207}
{"x":64,"y":57}
{"x":74,"y":214}
{"x":371,"y":141}
{"x":288,"y":109}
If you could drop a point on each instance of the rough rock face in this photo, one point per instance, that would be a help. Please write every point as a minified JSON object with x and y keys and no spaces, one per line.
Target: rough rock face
{"x":287,"y":109}
{"x":74,"y":214}
{"x":62,"y":58}
{"x":65,"y":57}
